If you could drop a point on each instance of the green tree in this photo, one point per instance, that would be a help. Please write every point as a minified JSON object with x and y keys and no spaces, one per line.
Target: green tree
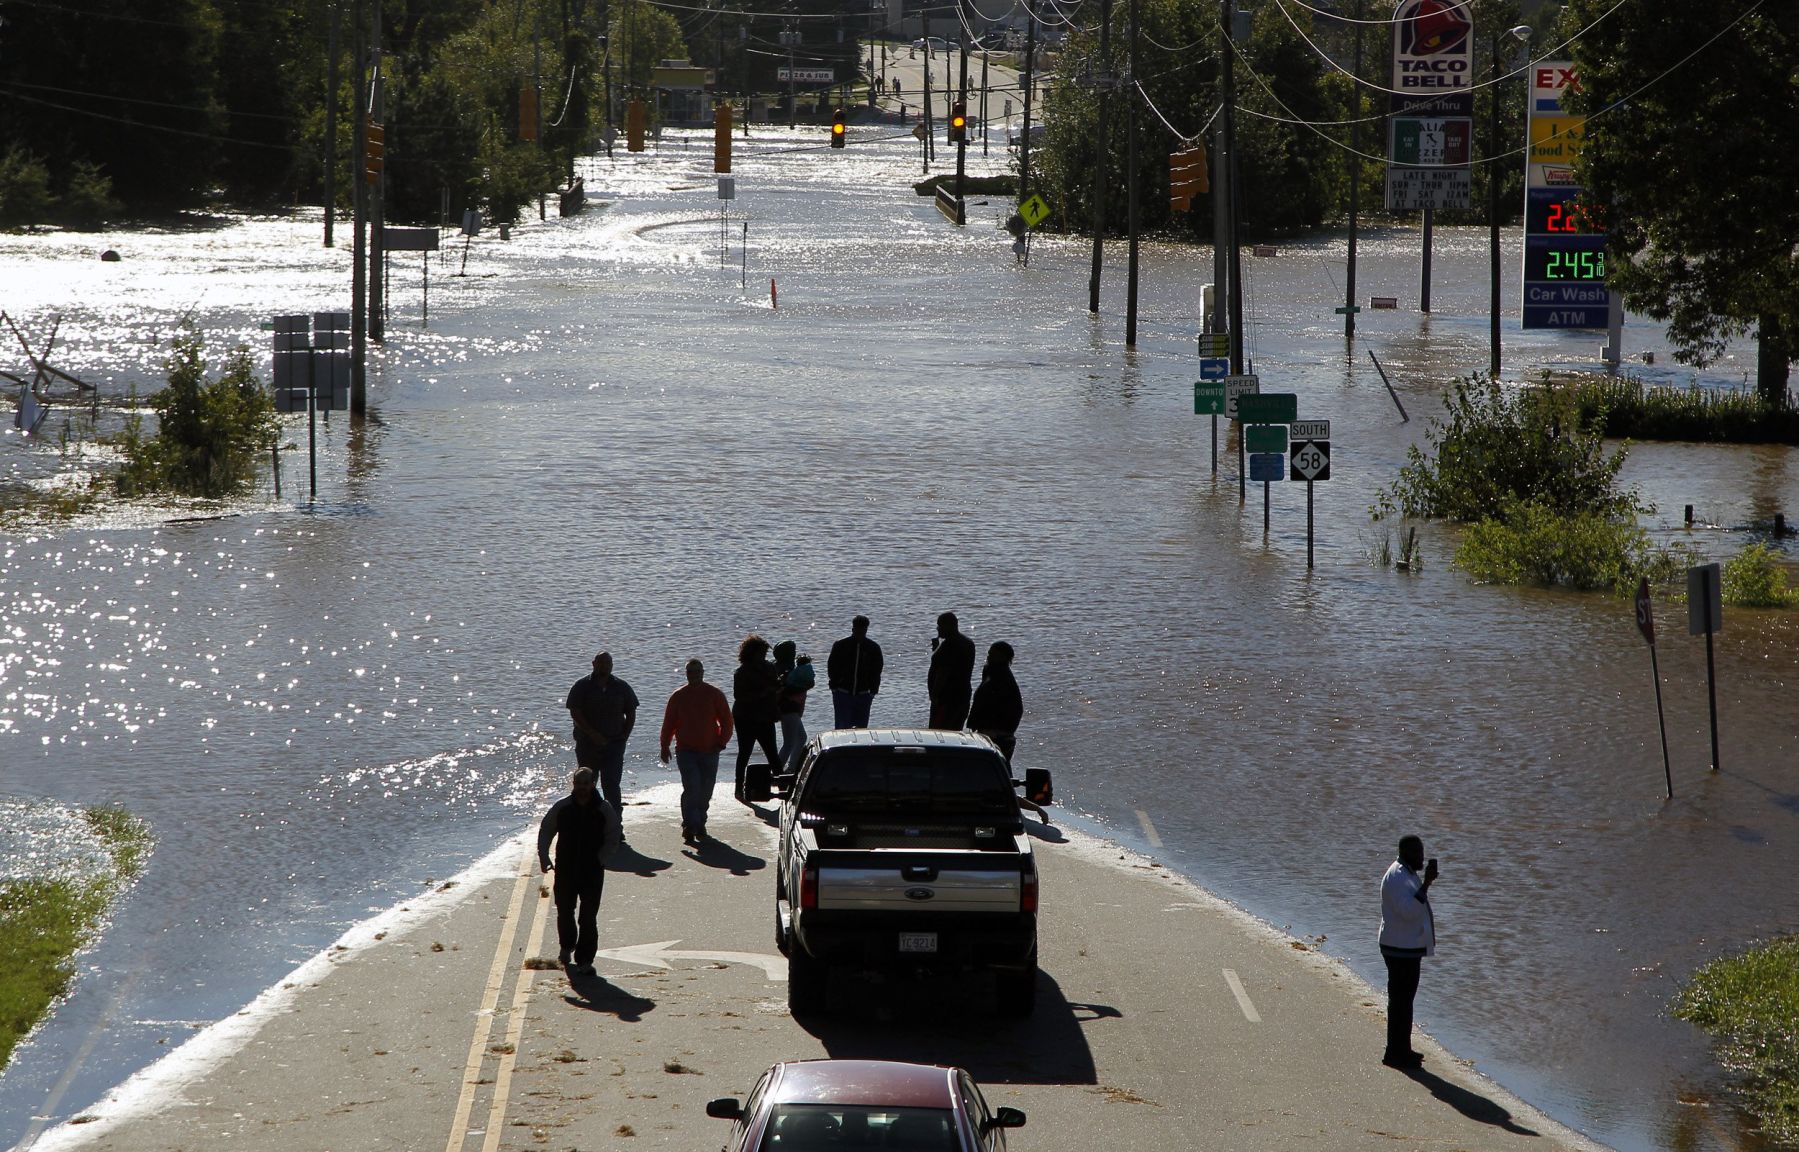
{"x":24,"y":189}
{"x":211,"y":434}
{"x":1687,"y":105}
{"x":1292,"y":175}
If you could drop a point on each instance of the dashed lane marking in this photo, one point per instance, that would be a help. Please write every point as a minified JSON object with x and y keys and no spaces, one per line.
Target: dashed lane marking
{"x":1243,"y":1000}
{"x":1149,"y":830}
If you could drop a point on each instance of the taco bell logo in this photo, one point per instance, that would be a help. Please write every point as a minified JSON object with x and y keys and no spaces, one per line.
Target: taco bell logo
{"x":1432,"y":27}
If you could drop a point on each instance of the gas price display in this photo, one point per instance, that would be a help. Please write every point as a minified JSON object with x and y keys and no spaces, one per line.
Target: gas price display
{"x":1564,"y":261}
{"x":1553,"y":212}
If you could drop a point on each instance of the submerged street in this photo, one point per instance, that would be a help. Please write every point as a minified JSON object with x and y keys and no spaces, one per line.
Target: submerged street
{"x":606,"y":437}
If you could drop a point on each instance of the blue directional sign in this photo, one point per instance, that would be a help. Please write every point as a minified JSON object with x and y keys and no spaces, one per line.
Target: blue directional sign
{"x":1214,"y":368}
{"x":1267,"y":465}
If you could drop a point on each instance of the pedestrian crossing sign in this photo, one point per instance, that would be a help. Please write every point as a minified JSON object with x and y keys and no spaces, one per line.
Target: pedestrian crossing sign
{"x":1034,"y":211}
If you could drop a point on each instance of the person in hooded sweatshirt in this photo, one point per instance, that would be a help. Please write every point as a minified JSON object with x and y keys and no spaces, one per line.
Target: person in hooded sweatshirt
{"x":997,"y":707}
{"x":585,"y":830}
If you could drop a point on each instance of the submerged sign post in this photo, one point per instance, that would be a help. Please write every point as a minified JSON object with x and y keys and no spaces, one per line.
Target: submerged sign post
{"x":1311,"y":460}
{"x":1267,"y":463}
{"x":1705,"y":615}
{"x":1564,"y":252}
{"x":1646,"y":625}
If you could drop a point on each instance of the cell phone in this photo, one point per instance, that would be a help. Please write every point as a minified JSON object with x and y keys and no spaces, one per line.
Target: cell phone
{"x":1431,"y":863}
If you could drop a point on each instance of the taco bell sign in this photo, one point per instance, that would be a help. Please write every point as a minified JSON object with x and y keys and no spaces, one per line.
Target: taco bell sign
{"x":1431,"y":126}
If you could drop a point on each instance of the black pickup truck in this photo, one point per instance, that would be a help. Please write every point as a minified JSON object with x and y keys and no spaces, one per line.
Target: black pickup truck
{"x":905,"y":849}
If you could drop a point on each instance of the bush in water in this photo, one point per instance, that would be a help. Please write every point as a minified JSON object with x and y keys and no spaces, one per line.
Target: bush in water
{"x":1754,"y":578}
{"x":1529,"y":543}
{"x":210,"y":437}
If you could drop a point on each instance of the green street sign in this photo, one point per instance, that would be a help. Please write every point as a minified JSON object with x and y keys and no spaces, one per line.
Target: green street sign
{"x":1348,"y":310}
{"x":1264,"y":437}
{"x":1034,"y":211}
{"x":1268,"y":408}
{"x":1208,"y":397}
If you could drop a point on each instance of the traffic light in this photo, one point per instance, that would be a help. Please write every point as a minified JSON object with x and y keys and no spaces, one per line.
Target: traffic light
{"x":635,"y":115}
{"x":958,"y":123}
{"x":721,"y":137}
{"x":837,"y":129}
{"x":1186,"y":177}
{"x":374,"y":151}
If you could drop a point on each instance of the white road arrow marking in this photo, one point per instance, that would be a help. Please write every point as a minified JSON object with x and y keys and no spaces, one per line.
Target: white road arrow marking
{"x":659,"y":954}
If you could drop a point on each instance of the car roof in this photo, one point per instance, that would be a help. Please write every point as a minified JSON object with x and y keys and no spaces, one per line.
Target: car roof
{"x":864,"y":1083}
{"x":902,"y":737}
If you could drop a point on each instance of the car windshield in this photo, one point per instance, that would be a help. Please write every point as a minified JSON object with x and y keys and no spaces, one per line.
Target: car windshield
{"x":834,"y":1127}
{"x":947,"y":782}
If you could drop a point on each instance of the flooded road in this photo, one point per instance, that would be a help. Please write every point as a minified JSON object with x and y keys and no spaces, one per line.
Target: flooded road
{"x":602,"y":439}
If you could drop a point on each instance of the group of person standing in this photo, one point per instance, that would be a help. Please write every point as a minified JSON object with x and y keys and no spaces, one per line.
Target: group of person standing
{"x":768,"y":694}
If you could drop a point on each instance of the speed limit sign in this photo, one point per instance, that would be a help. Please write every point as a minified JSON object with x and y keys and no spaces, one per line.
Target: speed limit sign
{"x":1310,"y":460}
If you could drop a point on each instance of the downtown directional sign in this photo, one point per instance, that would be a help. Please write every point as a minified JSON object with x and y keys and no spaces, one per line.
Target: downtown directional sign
{"x":1208,"y":397}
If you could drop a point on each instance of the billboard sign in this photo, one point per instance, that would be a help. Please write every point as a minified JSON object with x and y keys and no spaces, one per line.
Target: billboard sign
{"x":1431,"y":128}
{"x":1564,"y":247}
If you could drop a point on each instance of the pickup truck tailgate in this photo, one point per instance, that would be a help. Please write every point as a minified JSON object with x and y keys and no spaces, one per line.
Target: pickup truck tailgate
{"x":939,"y":885}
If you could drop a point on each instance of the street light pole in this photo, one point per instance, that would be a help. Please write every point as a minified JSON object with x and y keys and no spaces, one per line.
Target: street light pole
{"x":1521,"y":33}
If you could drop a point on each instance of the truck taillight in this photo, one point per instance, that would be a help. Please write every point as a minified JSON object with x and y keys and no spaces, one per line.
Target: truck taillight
{"x":809,"y":888}
{"x":1027,"y":893}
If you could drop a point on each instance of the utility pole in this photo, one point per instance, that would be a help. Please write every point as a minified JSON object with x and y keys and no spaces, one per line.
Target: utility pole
{"x":1130,"y":303}
{"x":791,"y":35}
{"x":962,"y":95}
{"x":606,"y":66}
{"x":331,"y":129}
{"x":1355,"y":176}
{"x":377,"y":201}
{"x":1030,"y":82}
{"x":983,"y":100}
{"x":1099,"y":165}
{"x":1493,"y":201}
{"x":1228,"y":130}
{"x":358,"y":210}
{"x":930,"y":129}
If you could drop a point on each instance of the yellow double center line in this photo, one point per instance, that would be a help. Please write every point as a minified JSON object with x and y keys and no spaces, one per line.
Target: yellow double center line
{"x":490,"y":997}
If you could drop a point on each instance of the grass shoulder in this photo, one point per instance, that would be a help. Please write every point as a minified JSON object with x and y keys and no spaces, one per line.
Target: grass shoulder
{"x":1749,"y":1003}
{"x":43,"y":923}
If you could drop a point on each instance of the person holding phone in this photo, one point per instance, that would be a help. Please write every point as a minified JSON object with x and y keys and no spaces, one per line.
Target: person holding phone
{"x":1407,"y":935}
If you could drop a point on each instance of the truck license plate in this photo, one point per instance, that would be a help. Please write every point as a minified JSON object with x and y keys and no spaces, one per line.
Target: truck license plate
{"x":918,"y":941}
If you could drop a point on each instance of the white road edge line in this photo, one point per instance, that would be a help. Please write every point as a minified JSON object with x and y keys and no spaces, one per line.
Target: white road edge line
{"x":1243,"y":1001}
{"x":1149,"y":830}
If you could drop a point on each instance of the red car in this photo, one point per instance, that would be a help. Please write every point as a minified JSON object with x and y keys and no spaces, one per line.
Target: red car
{"x":877,"y":1105}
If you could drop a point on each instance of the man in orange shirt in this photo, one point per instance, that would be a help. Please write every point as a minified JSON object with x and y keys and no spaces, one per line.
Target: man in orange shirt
{"x":698,"y":721}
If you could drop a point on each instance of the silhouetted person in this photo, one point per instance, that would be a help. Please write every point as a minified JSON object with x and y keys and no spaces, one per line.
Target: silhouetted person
{"x":754,"y":698}
{"x":853,"y":672}
{"x":797,"y":678}
{"x":585,"y":829}
{"x":997,"y":707}
{"x":952,"y":670}
{"x":604,"y":710}
{"x":1407,"y":936}
{"x":698,"y":721}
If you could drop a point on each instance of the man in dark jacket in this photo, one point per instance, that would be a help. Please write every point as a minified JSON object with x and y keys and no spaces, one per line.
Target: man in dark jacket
{"x":952,"y":670}
{"x":854,"y":675}
{"x":998,"y":707}
{"x":604,"y":710}
{"x":585,"y":830}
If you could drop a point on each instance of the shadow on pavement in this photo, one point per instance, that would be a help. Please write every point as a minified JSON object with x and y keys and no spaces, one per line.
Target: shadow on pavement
{"x":1048,"y":833}
{"x":717,"y":854}
{"x":1469,"y":1103}
{"x":629,"y":859}
{"x":949,"y":1019}
{"x":597,"y":994}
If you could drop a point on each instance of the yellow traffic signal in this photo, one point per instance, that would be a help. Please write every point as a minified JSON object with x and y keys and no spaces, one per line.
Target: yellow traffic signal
{"x":635,"y":115}
{"x":374,"y":151}
{"x":958,"y":123}
{"x":1186,"y":177}
{"x":837,"y":129}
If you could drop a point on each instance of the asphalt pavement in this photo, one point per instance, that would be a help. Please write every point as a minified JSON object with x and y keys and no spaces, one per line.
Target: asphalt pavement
{"x":1166,"y":1019}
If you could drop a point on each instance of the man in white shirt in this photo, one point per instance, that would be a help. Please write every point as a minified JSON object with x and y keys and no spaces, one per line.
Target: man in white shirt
{"x":1407,"y":936}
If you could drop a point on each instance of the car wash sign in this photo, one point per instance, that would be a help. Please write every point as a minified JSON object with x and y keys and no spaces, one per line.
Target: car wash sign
{"x":1564,"y":247}
{"x":1430,"y":131}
